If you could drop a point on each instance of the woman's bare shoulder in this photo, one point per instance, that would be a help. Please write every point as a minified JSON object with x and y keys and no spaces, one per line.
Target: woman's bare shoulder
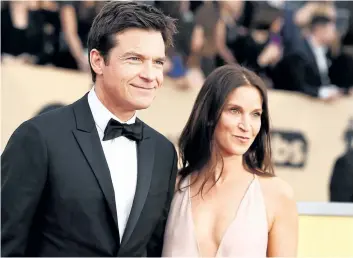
{"x":276,"y":188}
{"x":278,"y":196}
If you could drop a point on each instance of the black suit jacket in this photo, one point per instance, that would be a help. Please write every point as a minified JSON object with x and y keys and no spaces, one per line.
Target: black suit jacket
{"x":57,"y":197}
{"x":298,"y":71}
{"x":341,"y":184}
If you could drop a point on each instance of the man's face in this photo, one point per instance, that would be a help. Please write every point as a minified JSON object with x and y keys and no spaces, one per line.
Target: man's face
{"x":134,"y":69}
{"x":327,"y":33}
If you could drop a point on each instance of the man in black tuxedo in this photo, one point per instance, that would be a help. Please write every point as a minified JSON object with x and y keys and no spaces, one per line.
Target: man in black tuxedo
{"x":306,"y":68}
{"x":91,"y":179}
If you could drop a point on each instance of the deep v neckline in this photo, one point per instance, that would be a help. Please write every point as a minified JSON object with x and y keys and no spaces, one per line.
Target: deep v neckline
{"x":231,"y":224}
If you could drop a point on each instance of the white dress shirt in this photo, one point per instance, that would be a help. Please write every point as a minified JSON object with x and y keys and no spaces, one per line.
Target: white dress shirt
{"x":320,"y":57}
{"x":325,"y":90}
{"x":121,"y":156}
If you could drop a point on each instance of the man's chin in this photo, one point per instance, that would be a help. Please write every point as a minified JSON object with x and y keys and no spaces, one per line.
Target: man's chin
{"x":142,"y":106}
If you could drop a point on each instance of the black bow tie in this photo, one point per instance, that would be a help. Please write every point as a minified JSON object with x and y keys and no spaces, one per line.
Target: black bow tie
{"x":115,"y":129}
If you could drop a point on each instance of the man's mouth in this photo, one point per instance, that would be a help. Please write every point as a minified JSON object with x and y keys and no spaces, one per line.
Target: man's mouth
{"x":141,"y":87}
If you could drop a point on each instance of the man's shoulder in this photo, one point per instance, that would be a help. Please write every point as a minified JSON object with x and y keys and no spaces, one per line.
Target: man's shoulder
{"x":53,"y":122}
{"x":297,"y":54}
{"x":58,"y":115}
{"x":41,"y":126}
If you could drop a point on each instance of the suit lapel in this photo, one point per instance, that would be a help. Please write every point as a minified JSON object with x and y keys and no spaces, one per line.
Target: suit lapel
{"x":311,"y":57}
{"x":87,"y":138}
{"x":145,"y":157}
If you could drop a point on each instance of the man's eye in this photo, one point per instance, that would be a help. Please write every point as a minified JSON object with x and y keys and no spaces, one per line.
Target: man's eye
{"x":134,"y":58}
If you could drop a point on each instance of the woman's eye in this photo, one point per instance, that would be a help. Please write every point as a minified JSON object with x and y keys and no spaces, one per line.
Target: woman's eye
{"x":235,"y":110}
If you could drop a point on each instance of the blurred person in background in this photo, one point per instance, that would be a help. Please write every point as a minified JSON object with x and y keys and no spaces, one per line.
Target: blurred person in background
{"x":307,"y":70}
{"x":348,"y":37}
{"x":90,"y":178}
{"x":341,"y":183}
{"x":233,"y":18}
{"x":295,"y":34}
{"x":296,"y":18}
{"x":178,"y":68}
{"x":52,"y":29}
{"x":228,"y":202}
{"x":22,"y":31}
{"x":76,"y":18}
{"x":261,"y":49}
{"x":341,"y":70}
{"x":203,"y":39}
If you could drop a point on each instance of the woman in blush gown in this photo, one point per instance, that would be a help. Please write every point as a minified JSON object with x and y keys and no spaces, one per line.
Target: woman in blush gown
{"x":228,"y":202}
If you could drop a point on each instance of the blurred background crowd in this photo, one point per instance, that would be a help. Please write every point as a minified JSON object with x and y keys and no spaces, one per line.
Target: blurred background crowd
{"x":304,"y":46}
{"x":300,"y":46}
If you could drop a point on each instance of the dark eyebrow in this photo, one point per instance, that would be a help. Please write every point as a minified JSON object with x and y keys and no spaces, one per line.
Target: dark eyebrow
{"x":234,"y":105}
{"x":132,"y":53}
{"x":237,"y":106}
{"x":161,"y":59}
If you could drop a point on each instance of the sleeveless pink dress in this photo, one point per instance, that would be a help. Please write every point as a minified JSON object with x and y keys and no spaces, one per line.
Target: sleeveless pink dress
{"x":246,"y":236}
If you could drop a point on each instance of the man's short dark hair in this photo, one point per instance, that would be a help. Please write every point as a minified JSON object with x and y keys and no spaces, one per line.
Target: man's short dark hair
{"x":116,"y":17}
{"x":320,"y":20}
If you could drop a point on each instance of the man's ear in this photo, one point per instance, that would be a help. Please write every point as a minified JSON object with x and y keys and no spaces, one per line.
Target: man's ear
{"x":96,"y":61}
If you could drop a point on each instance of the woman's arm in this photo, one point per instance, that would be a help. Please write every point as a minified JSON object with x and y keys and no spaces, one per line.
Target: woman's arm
{"x":69,"y":27}
{"x":222,"y":48}
{"x":283,"y":235}
{"x":197,"y":39}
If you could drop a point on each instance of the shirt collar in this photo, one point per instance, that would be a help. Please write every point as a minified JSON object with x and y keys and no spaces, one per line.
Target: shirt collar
{"x":315,"y":47}
{"x":101,"y":114}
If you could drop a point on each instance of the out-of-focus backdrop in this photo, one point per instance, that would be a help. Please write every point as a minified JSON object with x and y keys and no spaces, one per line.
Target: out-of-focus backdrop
{"x":303,"y":50}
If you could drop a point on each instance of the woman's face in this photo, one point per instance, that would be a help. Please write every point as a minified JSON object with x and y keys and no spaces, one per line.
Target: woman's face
{"x":240,"y":121}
